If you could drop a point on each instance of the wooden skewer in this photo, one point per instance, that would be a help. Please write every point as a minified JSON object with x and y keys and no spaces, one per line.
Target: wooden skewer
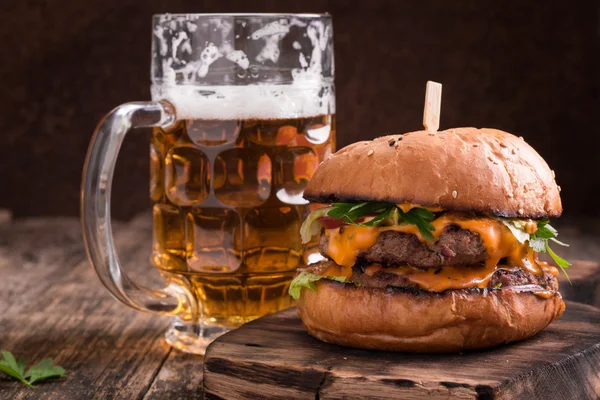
{"x":433,"y":103}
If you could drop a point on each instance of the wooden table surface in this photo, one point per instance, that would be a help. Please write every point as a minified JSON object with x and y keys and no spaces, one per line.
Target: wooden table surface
{"x":53,"y":305}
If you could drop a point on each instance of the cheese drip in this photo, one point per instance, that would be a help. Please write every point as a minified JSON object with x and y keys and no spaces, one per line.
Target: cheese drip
{"x":433,"y":279}
{"x":436,"y":279}
{"x":347,"y":241}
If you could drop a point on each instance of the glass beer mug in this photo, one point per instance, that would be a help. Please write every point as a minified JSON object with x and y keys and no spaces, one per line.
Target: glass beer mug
{"x":243,"y":112}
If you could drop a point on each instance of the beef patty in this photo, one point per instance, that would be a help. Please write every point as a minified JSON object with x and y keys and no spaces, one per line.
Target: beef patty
{"x":386,"y":277}
{"x":502,"y":278}
{"x":454,"y":247}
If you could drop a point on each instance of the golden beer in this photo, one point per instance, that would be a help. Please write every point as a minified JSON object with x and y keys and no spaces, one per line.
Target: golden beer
{"x":228,"y":207}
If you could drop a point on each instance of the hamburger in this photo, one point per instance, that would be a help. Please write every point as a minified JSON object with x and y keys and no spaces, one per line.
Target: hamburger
{"x":430,"y":243}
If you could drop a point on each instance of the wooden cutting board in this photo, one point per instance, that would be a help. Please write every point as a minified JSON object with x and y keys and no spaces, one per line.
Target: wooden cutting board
{"x":274,"y":358}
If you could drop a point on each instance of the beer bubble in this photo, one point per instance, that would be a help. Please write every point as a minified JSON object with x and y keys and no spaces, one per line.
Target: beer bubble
{"x":238,"y":57}
{"x":192,"y":27}
{"x":240,"y":72}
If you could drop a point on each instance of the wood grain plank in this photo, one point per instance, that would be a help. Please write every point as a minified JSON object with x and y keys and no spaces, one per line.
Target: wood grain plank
{"x":179,"y":378}
{"x":585,"y":283}
{"x":275,"y":358}
{"x":105,"y":357}
{"x":53,"y":305}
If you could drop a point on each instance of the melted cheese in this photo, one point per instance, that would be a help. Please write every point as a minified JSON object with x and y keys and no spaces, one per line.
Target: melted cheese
{"x":333,"y":269}
{"x":550,"y":269}
{"x":444,"y":278}
{"x":436,"y":279}
{"x":346,"y":242}
{"x":433,"y":279}
{"x":406,"y":207}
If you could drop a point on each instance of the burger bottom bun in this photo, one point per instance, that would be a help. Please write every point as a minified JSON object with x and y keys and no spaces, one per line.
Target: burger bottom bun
{"x":423,"y":322}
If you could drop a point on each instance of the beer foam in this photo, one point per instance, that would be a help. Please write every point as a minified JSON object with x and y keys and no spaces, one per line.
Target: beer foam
{"x":300,"y":99}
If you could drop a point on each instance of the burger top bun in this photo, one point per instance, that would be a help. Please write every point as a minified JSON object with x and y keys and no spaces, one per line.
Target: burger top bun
{"x":482,"y":170}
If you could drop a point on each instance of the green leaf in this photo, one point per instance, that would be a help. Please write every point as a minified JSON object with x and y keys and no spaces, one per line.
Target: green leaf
{"x":561,"y":262}
{"x":14,"y":374}
{"x":365,"y":208}
{"x":395,"y":216}
{"x":339,"y":210}
{"x":21,"y":364}
{"x":44,"y":370}
{"x":9,"y":371}
{"x":416,"y":216}
{"x":40,"y":371}
{"x":10,"y":361}
{"x":539,"y":242}
{"x":311,"y":226}
{"x":357,"y":206}
{"x":422,"y":213}
{"x":542,"y":222}
{"x":544,"y":233}
{"x":426,"y":232}
{"x":378,"y":218}
{"x":350,"y":212}
{"x":10,"y":367}
{"x":307,"y":279}
{"x":550,"y":228}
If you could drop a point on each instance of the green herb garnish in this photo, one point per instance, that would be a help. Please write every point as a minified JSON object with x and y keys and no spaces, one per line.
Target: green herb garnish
{"x":421,"y":218}
{"x":307,"y":280}
{"x":538,"y":241}
{"x":350,"y":212}
{"x":39,"y":372}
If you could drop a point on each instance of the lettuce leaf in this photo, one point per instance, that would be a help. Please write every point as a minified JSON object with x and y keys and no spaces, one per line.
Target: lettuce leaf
{"x":310,"y":227}
{"x":538,"y":241}
{"x":307,"y":280}
{"x":516,"y":228}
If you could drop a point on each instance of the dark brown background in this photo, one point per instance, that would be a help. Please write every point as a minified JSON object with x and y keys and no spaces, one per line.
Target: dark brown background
{"x":530,"y":68}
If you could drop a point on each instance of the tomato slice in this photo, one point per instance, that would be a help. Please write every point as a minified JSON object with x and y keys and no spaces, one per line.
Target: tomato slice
{"x":330,"y":222}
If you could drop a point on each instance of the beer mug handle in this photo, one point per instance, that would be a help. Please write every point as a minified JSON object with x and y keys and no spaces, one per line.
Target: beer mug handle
{"x":95,"y":208}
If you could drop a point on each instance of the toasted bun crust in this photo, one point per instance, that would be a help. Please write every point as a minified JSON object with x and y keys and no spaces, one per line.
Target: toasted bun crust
{"x":395,"y":320}
{"x":482,"y":170}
